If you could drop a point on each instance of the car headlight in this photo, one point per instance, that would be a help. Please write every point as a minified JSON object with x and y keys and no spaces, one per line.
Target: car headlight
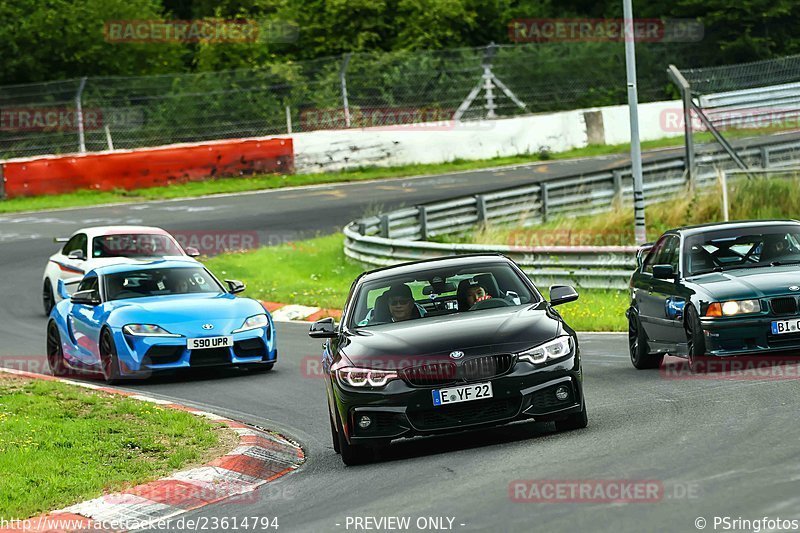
{"x":554,"y":349}
{"x":734,"y":307}
{"x":254,"y":322}
{"x":147,"y":330}
{"x":365,"y":377}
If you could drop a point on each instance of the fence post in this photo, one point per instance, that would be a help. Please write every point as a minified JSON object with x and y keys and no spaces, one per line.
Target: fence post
{"x":2,"y":183}
{"x":686,"y":97}
{"x":423,"y":222}
{"x":343,"y":80}
{"x":480,"y":204}
{"x":385,"y":226}
{"x":617,"y":185}
{"x":764,"y":156}
{"x":79,"y":113}
{"x":288,"y":120}
{"x":545,"y":200}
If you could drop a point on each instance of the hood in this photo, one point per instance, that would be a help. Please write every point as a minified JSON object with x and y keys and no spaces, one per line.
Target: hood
{"x":491,"y":331}
{"x":186,"y":314}
{"x":750,"y":282}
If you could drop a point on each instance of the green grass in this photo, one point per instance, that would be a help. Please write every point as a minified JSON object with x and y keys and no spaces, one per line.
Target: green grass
{"x":312,"y":272}
{"x":316,"y":272}
{"x":262,"y":182}
{"x":61,"y":444}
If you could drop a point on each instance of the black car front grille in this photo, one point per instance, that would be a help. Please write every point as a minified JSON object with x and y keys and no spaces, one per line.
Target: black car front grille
{"x":249,"y":348}
{"x":210,"y":357}
{"x":485,"y":367}
{"x":784,"y":306}
{"x":430,"y":375}
{"x":163,"y":355}
{"x":465,"y":414}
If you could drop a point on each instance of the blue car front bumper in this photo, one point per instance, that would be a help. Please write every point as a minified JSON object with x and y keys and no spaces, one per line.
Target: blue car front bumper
{"x":144,"y":354}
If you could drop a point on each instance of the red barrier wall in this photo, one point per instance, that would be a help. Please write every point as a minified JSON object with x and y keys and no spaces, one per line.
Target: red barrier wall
{"x":147,"y":167}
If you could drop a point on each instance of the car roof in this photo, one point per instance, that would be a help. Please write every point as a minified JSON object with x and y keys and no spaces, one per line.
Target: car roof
{"x":156,"y":263}
{"x":452,"y":261}
{"x":714,"y":226}
{"x":94,"y":231}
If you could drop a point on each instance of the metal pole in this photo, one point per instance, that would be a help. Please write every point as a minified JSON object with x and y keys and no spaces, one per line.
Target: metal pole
{"x":288,"y":120}
{"x":79,"y":110}
{"x":633,"y":104}
{"x":686,"y":97}
{"x":724,"y":177}
{"x":108,"y":138}
{"x":343,"y":79}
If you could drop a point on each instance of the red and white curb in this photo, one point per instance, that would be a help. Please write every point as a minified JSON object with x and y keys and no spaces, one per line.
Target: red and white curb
{"x":299,"y":313}
{"x":260,"y":457}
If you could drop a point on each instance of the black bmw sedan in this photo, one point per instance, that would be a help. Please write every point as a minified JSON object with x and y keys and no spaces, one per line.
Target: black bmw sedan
{"x":447,"y":345}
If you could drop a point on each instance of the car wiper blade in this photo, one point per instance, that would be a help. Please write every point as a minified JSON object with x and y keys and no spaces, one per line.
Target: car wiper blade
{"x":781,"y":263}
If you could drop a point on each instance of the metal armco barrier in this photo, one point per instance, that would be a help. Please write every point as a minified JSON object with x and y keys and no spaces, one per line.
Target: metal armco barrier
{"x":402,"y":235}
{"x":130,"y":169}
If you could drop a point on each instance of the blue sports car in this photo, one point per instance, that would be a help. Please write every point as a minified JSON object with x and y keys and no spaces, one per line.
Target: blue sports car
{"x":128,"y":321}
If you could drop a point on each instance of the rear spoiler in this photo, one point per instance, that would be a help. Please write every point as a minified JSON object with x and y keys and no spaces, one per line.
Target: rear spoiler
{"x":642,"y":252}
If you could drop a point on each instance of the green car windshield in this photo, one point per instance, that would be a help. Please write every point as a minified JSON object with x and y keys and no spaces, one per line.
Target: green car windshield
{"x":729,"y":249}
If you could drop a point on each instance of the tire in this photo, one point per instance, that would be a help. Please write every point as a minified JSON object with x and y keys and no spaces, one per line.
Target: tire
{"x":48,"y":298}
{"x":574,"y":421}
{"x":695,"y":342}
{"x":109,"y":362}
{"x":55,"y":352}
{"x":638,"y":346}
{"x":352,"y":454}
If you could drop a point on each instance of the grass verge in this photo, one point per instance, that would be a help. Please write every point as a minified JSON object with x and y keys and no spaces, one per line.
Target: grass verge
{"x":61,"y":444}
{"x":263,"y":182}
{"x":316,"y":272}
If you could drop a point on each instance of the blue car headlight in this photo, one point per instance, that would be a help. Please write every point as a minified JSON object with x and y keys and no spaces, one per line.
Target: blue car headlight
{"x":554,"y":349}
{"x":147,"y":330}
{"x":254,"y":322}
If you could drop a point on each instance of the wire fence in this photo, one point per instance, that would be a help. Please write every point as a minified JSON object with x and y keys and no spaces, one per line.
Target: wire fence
{"x":358,"y":90}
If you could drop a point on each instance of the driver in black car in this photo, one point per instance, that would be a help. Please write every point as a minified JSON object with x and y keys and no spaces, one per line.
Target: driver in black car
{"x":470,"y":292}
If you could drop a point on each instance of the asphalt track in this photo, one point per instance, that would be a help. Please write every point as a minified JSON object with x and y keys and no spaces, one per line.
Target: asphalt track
{"x":713,"y":446}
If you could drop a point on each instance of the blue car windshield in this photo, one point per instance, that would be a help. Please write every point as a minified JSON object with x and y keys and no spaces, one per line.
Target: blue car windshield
{"x":160,"y":282}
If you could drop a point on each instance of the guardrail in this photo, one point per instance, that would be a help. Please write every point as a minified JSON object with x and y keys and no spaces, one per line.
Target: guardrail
{"x":402,"y":235}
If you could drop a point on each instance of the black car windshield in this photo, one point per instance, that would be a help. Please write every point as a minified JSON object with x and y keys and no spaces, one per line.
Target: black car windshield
{"x":134,"y":245}
{"x":160,"y":282}
{"x":436,"y":292}
{"x":746,"y":247}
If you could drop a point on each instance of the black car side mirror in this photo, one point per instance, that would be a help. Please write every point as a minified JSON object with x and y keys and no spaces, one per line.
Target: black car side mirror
{"x":663,"y":272}
{"x":235,"y":286}
{"x":77,"y":255}
{"x":561,"y":294}
{"x":323,"y":329}
{"x":89,"y":297}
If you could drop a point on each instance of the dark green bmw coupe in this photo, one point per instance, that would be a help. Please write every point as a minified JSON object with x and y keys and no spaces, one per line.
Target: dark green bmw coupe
{"x":716,"y":290}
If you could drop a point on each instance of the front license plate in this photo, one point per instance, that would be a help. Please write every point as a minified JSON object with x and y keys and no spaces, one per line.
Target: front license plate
{"x":209,"y":342}
{"x":466,"y":393}
{"x":779,"y":327}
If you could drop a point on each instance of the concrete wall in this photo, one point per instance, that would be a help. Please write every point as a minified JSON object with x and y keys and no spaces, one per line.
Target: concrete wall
{"x":324,"y":150}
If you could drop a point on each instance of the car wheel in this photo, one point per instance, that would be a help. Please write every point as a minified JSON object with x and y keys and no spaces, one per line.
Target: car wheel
{"x":55,"y":352}
{"x":695,"y":342}
{"x":48,"y":299}
{"x":352,"y":454}
{"x":109,"y":362}
{"x":574,"y":421}
{"x":638,"y":345}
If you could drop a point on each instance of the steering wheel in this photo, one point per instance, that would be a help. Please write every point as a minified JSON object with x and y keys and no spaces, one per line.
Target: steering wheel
{"x":489,"y":303}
